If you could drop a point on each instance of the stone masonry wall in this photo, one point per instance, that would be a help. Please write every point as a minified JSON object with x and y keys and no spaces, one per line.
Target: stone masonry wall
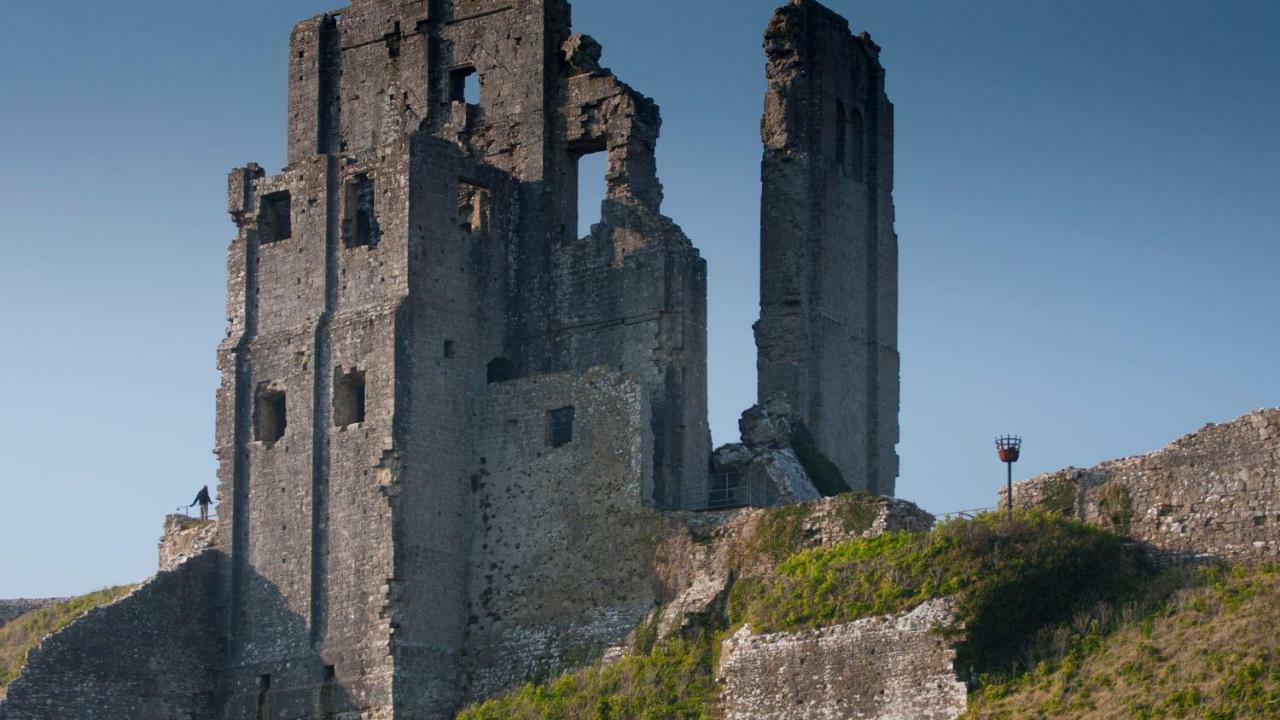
{"x":881,"y":668}
{"x":1215,"y":492}
{"x":561,"y":559}
{"x":148,"y":656}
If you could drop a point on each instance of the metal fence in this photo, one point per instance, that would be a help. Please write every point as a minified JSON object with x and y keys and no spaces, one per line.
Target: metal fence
{"x":731,"y":490}
{"x":213,"y":514}
{"x":964,"y":514}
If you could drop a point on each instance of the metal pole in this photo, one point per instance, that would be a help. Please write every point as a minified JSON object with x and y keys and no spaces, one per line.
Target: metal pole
{"x":1009,"y":488}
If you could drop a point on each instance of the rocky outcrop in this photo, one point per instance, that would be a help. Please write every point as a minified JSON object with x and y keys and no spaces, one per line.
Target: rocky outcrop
{"x":1214,"y":493}
{"x":763,"y":470}
{"x":883,"y":668}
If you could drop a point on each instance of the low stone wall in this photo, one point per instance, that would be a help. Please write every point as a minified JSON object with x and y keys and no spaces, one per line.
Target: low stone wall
{"x":11,"y":609}
{"x":1214,"y":493}
{"x":882,"y":668}
{"x":148,"y":656}
{"x":183,"y":538}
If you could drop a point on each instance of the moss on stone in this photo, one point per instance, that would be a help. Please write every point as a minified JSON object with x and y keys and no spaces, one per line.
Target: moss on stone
{"x":857,"y":511}
{"x":779,"y":532}
{"x":1060,"y":497}
{"x":1116,"y":505}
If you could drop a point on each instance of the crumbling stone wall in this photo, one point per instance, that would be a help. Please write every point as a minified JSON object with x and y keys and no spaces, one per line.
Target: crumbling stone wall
{"x":882,"y":668}
{"x":183,"y":538}
{"x":827,"y":335}
{"x":148,"y":656}
{"x":562,"y":557}
{"x":1215,"y":492}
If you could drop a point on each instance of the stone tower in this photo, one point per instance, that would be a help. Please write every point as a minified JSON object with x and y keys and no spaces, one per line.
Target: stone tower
{"x":827,"y":335}
{"x":418,"y":250}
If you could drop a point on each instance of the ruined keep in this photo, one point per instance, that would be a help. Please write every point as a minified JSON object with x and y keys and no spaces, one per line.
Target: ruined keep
{"x":448,"y":428}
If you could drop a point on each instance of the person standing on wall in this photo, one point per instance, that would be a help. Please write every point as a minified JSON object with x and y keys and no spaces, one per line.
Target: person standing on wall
{"x":204,"y":500}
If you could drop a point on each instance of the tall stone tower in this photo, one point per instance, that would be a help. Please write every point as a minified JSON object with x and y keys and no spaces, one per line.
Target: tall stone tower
{"x":827,"y":334}
{"x":418,"y":250}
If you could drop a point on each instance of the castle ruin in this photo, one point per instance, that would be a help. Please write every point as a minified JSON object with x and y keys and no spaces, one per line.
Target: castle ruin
{"x":447,"y":426}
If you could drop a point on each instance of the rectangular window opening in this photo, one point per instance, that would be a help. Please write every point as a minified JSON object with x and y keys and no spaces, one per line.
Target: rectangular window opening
{"x":592,"y":189}
{"x":348,"y":398}
{"x":465,"y":85}
{"x":270,"y":418}
{"x":560,"y":426}
{"x":275,"y":223}
{"x":360,"y":228}
{"x":474,"y":205}
{"x":448,"y":348}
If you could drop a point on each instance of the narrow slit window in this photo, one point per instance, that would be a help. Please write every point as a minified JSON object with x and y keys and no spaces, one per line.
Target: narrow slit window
{"x":275,"y":223}
{"x":361,"y":226}
{"x":857,"y":151}
{"x":473,"y":207}
{"x":348,"y":398}
{"x":271,"y":416}
{"x":264,"y":697}
{"x":560,"y":426}
{"x":842,"y":132}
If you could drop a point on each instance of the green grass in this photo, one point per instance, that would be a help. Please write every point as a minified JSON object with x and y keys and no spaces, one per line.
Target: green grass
{"x":674,"y":680}
{"x":1200,"y":643}
{"x":1013,"y":580}
{"x":24,"y":632}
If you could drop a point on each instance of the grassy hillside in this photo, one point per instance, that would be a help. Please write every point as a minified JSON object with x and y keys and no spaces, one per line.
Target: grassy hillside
{"x":22,"y":634}
{"x":1204,"y":643}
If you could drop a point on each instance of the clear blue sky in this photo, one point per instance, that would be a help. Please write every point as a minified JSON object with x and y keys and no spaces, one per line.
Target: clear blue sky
{"x":1088,"y":202}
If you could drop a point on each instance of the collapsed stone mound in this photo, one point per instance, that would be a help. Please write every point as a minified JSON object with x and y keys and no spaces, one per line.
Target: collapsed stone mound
{"x":776,"y":462}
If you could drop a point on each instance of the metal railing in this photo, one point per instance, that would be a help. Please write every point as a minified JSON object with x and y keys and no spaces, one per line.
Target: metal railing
{"x":964,"y":514}
{"x":213,"y":514}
